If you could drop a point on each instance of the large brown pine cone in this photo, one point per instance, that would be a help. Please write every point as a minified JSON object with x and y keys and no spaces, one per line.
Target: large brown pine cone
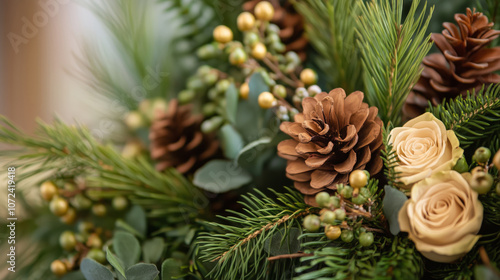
{"x":177,"y":141}
{"x":466,"y":63}
{"x":333,"y":136}
{"x":289,"y":21}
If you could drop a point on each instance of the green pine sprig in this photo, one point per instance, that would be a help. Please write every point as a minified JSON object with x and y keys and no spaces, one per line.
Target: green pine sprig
{"x":238,"y":251}
{"x":392,"y":51}
{"x":62,"y":151}
{"x":474,"y":118}
{"x":330,"y":28}
{"x":389,"y":157}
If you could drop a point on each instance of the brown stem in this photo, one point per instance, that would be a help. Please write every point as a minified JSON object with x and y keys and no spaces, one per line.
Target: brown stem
{"x":278,"y":72}
{"x":288,"y":256}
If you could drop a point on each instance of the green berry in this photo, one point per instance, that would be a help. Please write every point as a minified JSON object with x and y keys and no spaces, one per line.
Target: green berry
{"x":347,"y":236}
{"x":322,"y":199}
{"x":273,"y":38}
{"x":195,"y":84}
{"x":251,"y":39}
{"x":280,"y":91}
{"x":209,"y":109}
{"x":222,"y":86}
{"x":212,"y":124}
{"x":203,"y":70}
{"x":85,"y":227}
{"x":340,"y":214}
{"x":482,"y":155}
{"x":67,"y":240}
{"x":210,"y":78}
{"x":207,"y":51}
{"x":99,"y":210}
{"x":312,"y":223}
{"x":461,"y":165}
{"x":292,"y":57}
{"x":119,"y":203}
{"x":346,"y":192}
{"x":328,"y":217}
{"x":81,"y":202}
{"x":94,"y":241}
{"x":97,"y":255}
{"x":334,"y":202}
{"x":237,"y":56}
{"x":365,"y":192}
{"x":186,"y":96}
{"x":366,"y":239}
{"x":481,"y":182}
{"x":359,"y":200}
{"x":278,"y":47}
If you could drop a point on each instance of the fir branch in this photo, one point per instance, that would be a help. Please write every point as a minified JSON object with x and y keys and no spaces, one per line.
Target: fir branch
{"x":475,"y":118}
{"x":392,"y":52}
{"x":137,"y":48}
{"x":330,"y":28}
{"x":240,"y":249}
{"x":65,"y":151}
{"x":389,"y":157}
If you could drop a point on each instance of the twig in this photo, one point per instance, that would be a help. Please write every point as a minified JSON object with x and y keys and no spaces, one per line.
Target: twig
{"x":288,"y":256}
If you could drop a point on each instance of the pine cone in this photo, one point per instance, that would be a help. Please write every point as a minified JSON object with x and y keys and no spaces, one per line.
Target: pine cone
{"x":290,"y":22}
{"x":466,"y":63}
{"x":177,"y":141}
{"x":332,"y":137}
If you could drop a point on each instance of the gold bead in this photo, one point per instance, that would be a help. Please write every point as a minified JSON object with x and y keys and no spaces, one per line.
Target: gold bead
{"x":308,"y":76}
{"x":266,"y":100}
{"x":358,"y":179}
{"x":223,"y":34}
{"x":48,"y":190}
{"x":70,"y":216}
{"x":58,"y":206}
{"x":259,"y":51}
{"x":244,"y":90}
{"x":245,"y":21}
{"x":58,"y":268}
{"x":332,"y":232}
{"x":264,"y":11}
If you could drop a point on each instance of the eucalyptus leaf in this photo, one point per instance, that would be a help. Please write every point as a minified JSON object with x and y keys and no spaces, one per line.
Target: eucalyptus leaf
{"x":152,"y":249}
{"x":120,"y":224}
{"x":393,"y":202}
{"x":281,"y":243}
{"x":220,"y":176}
{"x":93,"y":270}
{"x":254,"y":155}
{"x":127,"y":248}
{"x":170,"y":269}
{"x":115,"y":262}
{"x":484,"y":273}
{"x":232,"y":97}
{"x":142,"y":271}
{"x":73,"y":275}
{"x":136,"y":217}
{"x":231,"y":141}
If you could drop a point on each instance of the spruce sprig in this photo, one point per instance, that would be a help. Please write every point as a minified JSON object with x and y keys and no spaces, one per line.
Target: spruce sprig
{"x":474,"y":118}
{"x":330,"y":28}
{"x":62,"y":151}
{"x":389,"y":157}
{"x":392,"y":51}
{"x":239,"y":250}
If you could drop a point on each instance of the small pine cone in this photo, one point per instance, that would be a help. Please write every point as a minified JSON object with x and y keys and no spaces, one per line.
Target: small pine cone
{"x":177,"y":141}
{"x":332,"y":137}
{"x":290,"y":22}
{"x":466,"y":63}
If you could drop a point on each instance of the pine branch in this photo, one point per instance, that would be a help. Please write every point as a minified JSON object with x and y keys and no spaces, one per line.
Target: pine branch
{"x":475,"y":118}
{"x":330,"y":28}
{"x":67,"y":151}
{"x":389,"y":157}
{"x":136,"y":47}
{"x":392,"y":52}
{"x":239,"y":250}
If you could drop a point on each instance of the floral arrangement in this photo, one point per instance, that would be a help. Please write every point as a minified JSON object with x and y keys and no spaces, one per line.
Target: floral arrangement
{"x":354,"y":153}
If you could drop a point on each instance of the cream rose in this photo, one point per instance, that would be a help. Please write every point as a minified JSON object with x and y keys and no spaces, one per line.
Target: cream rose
{"x":442,"y":217}
{"x":424,"y":147}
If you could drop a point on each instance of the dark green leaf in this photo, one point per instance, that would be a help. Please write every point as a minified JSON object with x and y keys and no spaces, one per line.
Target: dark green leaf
{"x":127,"y":248}
{"x":231,"y":141}
{"x":73,"y":275}
{"x":115,"y":261}
{"x":152,"y":249}
{"x":93,"y":270}
{"x":282,"y":243}
{"x":220,"y":176}
{"x":170,"y":269}
{"x":393,"y":202}
{"x":142,"y":271}
{"x":254,"y":155}
{"x":231,"y":103}
{"x":136,"y":217}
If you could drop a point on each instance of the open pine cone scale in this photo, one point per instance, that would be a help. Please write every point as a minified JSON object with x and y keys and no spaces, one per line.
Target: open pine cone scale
{"x":334,"y":135}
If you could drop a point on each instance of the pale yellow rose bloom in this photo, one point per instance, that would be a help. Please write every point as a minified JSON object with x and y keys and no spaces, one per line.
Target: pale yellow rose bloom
{"x":442,"y":217}
{"x":424,"y":147}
